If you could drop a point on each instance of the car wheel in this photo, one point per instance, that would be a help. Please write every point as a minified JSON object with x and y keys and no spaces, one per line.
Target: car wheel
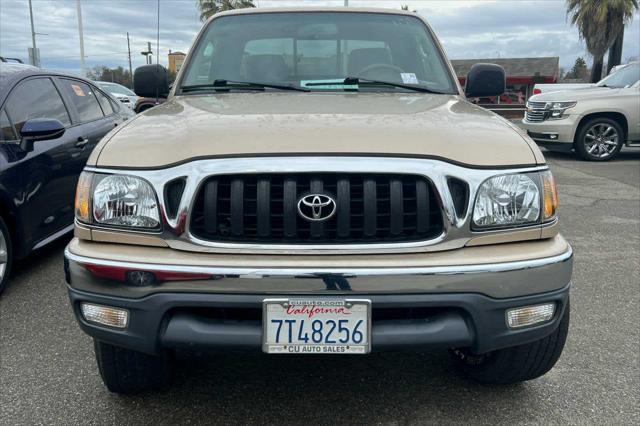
{"x":599,"y":139}
{"x":129,"y":372}
{"x":518,"y":363}
{"x":5,"y":255}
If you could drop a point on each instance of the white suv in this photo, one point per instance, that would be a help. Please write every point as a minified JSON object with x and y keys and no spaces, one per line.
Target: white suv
{"x":595,"y":121}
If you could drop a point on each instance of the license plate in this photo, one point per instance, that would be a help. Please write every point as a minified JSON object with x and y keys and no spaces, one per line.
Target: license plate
{"x":316,"y":326}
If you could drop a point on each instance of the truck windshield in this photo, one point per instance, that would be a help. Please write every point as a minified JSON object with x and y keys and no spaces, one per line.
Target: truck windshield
{"x":318,"y":51}
{"x":626,"y":77}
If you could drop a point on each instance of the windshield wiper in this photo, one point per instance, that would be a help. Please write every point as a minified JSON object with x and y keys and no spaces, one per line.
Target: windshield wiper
{"x":357,"y":81}
{"x":231,"y":84}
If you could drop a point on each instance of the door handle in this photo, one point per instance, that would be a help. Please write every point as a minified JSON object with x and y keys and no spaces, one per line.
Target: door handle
{"x":81,"y":142}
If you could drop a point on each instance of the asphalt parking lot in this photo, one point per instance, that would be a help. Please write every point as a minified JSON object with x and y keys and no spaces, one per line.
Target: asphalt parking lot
{"x":48,"y":373}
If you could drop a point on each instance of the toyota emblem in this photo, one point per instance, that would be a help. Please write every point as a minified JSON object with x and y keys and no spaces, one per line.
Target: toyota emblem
{"x":316,"y":207}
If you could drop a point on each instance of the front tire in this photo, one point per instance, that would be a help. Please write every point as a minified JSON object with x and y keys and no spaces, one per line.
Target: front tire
{"x":6,"y":255}
{"x":599,"y":139}
{"x":518,"y":363}
{"x":129,"y":372}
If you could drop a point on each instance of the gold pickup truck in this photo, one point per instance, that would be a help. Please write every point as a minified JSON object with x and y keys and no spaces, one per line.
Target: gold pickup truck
{"x":317,"y":183}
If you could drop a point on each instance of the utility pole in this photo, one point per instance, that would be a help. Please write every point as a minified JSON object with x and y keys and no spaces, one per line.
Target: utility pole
{"x":34,"y":57}
{"x":80,"y":33}
{"x":148,"y":54}
{"x":130,"y":69}
{"x":346,"y":3}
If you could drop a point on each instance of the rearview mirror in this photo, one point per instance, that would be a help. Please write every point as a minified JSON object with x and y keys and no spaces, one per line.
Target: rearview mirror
{"x":485,"y":80}
{"x":150,"y":81}
{"x":39,"y":129}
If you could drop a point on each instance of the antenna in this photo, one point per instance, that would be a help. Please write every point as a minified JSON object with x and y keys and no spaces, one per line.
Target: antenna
{"x":158,"y":57}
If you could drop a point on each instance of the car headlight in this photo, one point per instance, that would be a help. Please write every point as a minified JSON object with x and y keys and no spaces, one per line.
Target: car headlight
{"x":510,"y":201}
{"x":117,"y":200}
{"x":557,"y":109}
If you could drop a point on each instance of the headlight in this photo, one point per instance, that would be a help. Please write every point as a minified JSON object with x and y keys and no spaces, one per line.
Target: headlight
{"x":558,"y":108}
{"x":125,"y":201}
{"x":116,"y":200}
{"x":507,"y":200}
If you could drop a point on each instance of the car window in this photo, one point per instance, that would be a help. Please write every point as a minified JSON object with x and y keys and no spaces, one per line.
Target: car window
{"x":36,"y":98}
{"x":104,"y":103}
{"x":6,"y":129}
{"x":83,"y":97}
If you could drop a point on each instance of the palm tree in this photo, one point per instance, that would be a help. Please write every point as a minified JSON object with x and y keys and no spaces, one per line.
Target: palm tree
{"x":600,"y":22}
{"x":208,"y":8}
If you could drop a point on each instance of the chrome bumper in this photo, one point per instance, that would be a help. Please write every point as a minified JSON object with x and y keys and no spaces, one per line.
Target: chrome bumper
{"x":460,"y":306}
{"x":496,"y":280}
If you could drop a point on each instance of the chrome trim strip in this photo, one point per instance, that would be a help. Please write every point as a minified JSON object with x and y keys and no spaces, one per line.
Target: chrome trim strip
{"x":53,"y":237}
{"x":316,"y":272}
{"x":457,"y":231}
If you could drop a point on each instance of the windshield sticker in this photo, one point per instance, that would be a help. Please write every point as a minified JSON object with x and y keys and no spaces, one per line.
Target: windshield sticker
{"x":77,"y":89}
{"x":335,"y":84}
{"x":409,"y":78}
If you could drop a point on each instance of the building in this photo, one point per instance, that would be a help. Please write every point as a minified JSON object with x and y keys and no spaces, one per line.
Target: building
{"x":175,"y":61}
{"x":522,"y":75}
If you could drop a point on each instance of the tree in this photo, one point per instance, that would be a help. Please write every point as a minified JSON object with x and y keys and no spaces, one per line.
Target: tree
{"x":579,"y":70}
{"x":208,"y":8}
{"x":115,"y":75}
{"x":600,"y":22}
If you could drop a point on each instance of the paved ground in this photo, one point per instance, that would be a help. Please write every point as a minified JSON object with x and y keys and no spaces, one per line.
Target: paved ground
{"x":48,"y":374}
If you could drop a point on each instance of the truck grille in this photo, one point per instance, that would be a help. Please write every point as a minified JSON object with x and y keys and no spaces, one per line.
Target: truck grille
{"x":536,"y":112}
{"x":369,"y":208}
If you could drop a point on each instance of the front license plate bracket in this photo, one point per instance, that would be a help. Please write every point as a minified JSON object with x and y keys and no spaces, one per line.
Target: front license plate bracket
{"x":313,"y":325}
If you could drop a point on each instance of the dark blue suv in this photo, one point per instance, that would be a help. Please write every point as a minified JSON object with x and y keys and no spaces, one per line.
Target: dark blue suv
{"x":49,"y":124}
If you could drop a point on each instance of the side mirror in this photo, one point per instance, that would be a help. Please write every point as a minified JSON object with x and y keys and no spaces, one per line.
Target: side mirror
{"x":150,"y":81}
{"x":485,"y":80}
{"x":39,"y":129}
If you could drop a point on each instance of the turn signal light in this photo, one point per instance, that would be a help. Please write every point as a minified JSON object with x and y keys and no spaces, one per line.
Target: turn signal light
{"x":550,"y":195}
{"x":530,"y":315}
{"x":105,"y":315}
{"x":83,"y":195}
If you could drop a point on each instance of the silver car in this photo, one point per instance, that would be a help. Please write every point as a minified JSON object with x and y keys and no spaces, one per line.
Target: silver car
{"x":594,"y":121}
{"x":121,"y":93}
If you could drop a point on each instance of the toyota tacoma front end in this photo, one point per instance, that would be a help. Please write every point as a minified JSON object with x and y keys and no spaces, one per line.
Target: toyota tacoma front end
{"x":314,"y":187}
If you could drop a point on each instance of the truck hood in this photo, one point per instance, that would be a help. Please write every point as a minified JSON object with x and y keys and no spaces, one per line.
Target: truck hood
{"x":575,"y":95}
{"x":254,"y":124}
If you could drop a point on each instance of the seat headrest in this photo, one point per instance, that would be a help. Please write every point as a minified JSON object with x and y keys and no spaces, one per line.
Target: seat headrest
{"x":359,"y":59}
{"x":266,"y":68}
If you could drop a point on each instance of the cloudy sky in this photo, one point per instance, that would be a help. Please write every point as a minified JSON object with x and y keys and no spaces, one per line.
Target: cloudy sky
{"x":468,"y":29}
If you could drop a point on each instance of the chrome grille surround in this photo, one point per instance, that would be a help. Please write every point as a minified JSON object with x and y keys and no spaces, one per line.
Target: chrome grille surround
{"x":537,"y":112}
{"x":457,"y":228}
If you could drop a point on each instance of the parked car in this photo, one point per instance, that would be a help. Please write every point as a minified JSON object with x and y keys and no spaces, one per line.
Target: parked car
{"x":346,"y":201}
{"x":49,"y":124}
{"x":595,"y":122}
{"x":118,"y":91}
{"x":143,"y":104}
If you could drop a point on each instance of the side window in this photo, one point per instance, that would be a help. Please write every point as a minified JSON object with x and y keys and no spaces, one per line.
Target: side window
{"x":36,"y":98}
{"x":83,"y":98}
{"x":104,"y":103}
{"x":6,"y":129}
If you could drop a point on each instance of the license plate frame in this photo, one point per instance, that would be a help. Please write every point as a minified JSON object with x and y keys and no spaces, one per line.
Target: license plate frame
{"x":317,"y":348}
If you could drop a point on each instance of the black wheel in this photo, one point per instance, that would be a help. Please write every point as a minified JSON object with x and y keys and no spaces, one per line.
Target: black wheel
{"x":6,"y":255}
{"x":516,"y":364}
{"x":599,"y":139}
{"x":128,"y":372}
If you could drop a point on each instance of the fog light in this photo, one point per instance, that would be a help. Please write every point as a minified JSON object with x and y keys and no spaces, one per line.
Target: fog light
{"x":530,"y":315}
{"x":105,"y":315}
